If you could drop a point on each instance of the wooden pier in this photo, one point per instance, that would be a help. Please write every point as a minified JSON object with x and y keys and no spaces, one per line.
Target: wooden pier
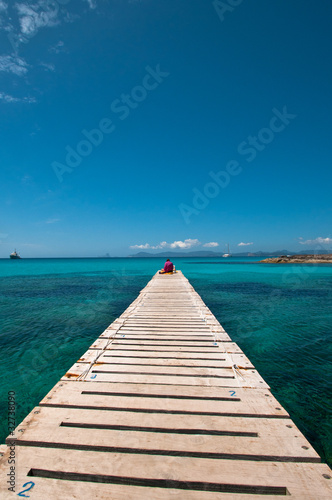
{"x":163,"y":405}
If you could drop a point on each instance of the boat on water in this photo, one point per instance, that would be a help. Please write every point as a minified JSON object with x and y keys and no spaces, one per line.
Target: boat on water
{"x":14,"y":255}
{"x":227,"y":254}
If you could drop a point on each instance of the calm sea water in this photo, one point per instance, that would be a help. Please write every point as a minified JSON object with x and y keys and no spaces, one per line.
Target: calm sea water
{"x":52,"y":309}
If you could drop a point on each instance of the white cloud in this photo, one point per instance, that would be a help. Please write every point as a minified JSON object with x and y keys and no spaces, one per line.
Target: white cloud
{"x":317,"y":241}
{"x":92,"y":3}
{"x":211,"y":244}
{"x":13,"y":64}
{"x":27,"y":180}
{"x":32,"y":17}
{"x":10,"y":99}
{"x":141,"y":247}
{"x":58,"y":47}
{"x":52,"y":221}
{"x":3,"y":11}
{"x":244,"y":244}
{"x":48,"y":66}
{"x":188,"y":243}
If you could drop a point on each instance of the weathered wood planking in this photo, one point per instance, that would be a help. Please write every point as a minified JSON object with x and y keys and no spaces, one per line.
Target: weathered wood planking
{"x":163,"y":405}
{"x":217,"y":361}
{"x":94,"y":430}
{"x":169,"y":398}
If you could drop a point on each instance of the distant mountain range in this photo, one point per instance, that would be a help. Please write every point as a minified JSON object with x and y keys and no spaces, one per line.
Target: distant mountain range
{"x":210,"y":253}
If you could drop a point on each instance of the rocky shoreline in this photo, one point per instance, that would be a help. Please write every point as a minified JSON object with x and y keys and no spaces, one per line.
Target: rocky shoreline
{"x":299,"y":259}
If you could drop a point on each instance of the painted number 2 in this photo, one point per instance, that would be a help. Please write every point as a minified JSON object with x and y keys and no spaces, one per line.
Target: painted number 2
{"x":232,"y":393}
{"x":20,"y":494}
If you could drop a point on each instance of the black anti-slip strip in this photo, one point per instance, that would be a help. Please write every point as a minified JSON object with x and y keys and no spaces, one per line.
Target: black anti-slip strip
{"x":159,"y":345}
{"x":162,"y":430}
{"x":157,"y":396}
{"x":190,"y":333}
{"x":171,"y":412}
{"x":164,"y":357}
{"x":187,"y":338}
{"x":135,"y":337}
{"x":112,"y":363}
{"x":164,"y":328}
{"x":167,"y":453}
{"x":162,"y":374}
{"x":170,"y":328}
{"x":160,"y":483}
{"x":165,"y":325}
{"x":150,"y":350}
{"x":164,"y":322}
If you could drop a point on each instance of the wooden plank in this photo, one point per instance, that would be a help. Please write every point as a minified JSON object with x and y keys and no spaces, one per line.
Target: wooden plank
{"x":226,"y":377}
{"x":197,"y":424}
{"x":164,"y":323}
{"x":169,"y":316}
{"x":182,"y":359}
{"x":125,"y":336}
{"x":167,"y":302}
{"x":221,"y":347}
{"x":141,"y":332}
{"x":166,"y":369}
{"x":168,"y":319}
{"x":163,"y":328}
{"x":170,"y":398}
{"x":164,"y":335}
{"x":166,"y":379}
{"x":168,"y":328}
{"x":152,"y":354}
{"x":299,"y":480}
{"x":66,"y":489}
{"x":46,"y":427}
{"x":121,"y":341}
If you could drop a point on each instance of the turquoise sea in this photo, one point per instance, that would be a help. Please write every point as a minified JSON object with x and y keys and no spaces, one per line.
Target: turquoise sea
{"x":281,"y":316}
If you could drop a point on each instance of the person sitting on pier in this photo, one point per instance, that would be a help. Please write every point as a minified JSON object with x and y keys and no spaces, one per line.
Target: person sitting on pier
{"x":168,"y":268}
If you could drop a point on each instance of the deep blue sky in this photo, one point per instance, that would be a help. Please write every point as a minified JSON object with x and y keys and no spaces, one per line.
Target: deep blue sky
{"x":63,"y":65}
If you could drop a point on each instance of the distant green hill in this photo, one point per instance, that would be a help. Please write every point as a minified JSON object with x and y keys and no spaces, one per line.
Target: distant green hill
{"x":210,"y":253}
